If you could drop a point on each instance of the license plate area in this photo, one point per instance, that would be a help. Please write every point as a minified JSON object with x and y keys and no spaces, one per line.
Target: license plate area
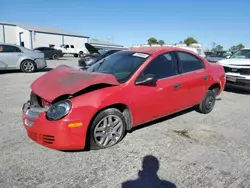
{"x":231,"y":78}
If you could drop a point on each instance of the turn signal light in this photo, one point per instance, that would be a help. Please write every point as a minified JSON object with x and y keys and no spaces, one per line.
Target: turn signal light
{"x":72,"y":125}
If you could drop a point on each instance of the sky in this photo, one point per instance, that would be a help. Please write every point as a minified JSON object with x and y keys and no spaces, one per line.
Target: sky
{"x":134,"y":21}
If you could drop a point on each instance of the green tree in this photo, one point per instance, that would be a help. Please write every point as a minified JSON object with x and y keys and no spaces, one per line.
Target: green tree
{"x":190,"y":40}
{"x":217,"y":48}
{"x":161,"y":42}
{"x":237,"y":47}
{"x":152,"y":40}
{"x":240,"y":46}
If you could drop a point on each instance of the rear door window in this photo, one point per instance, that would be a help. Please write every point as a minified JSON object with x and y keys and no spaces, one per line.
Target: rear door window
{"x":10,"y":49}
{"x":189,"y":62}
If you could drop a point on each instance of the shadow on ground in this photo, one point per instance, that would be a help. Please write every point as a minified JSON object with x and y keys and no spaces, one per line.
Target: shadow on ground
{"x":163,"y":119}
{"x":19,"y":71}
{"x":236,"y":90}
{"x":147,"y":177}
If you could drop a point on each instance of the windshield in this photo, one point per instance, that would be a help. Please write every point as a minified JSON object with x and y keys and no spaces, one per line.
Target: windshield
{"x":121,"y":64}
{"x":242,"y":54}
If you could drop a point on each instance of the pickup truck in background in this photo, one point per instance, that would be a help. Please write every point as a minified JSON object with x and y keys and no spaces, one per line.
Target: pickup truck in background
{"x":70,"y":49}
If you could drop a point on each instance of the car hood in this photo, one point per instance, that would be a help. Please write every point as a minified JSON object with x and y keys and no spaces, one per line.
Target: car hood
{"x":213,"y":58}
{"x":65,"y":80}
{"x":91,"y":48}
{"x":235,"y":62}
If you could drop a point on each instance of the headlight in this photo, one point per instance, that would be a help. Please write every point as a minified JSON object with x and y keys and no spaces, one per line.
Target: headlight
{"x":59,"y":110}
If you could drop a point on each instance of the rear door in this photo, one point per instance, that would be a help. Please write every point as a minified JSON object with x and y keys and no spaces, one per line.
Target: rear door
{"x":194,"y":77}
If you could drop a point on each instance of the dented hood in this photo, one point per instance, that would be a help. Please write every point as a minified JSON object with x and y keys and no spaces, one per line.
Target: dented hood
{"x":67,"y":80}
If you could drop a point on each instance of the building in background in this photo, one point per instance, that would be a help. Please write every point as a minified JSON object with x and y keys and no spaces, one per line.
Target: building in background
{"x":31,"y":37}
{"x":35,"y":36}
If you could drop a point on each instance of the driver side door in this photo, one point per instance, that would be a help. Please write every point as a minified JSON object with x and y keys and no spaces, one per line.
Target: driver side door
{"x":155,"y":101}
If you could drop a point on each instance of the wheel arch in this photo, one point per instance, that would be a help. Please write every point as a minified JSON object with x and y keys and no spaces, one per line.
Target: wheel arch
{"x":215,"y":87}
{"x":26,"y":59}
{"x":124,"y":109}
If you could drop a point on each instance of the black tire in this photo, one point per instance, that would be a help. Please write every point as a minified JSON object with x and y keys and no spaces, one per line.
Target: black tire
{"x":75,"y":55}
{"x":55,"y":57}
{"x":207,"y":105}
{"x":81,"y":54}
{"x":24,"y":67}
{"x":92,"y":143}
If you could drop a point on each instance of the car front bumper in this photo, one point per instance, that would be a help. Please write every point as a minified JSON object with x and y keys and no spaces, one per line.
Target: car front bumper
{"x":238,"y":81}
{"x":52,"y":134}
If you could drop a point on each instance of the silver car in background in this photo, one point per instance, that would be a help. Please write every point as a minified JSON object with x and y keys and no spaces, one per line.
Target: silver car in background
{"x":18,"y":57}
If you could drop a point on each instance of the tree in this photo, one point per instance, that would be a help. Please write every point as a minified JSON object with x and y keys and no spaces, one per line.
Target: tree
{"x":217,"y":48}
{"x":240,"y":46}
{"x":190,"y":40}
{"x":161,"y":42}
{"x":237,"y":47}
{"x":152,"y":40}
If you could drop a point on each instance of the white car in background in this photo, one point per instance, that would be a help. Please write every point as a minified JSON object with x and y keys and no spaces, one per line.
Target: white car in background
{"x":18,"y":57}
{"x":237,"y":69}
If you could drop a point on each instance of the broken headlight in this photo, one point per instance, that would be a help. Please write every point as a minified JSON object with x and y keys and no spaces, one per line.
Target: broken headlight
{"x":59,"y":110}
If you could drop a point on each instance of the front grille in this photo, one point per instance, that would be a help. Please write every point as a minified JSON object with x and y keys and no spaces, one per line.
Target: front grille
{"x":242,"y":71}
{"x":47,"y":139}
{"x":32,"y":136}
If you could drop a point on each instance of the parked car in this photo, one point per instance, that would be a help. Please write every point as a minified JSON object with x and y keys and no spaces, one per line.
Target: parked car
{"x":94,"y":55}
{"x":237,"y":69}
{"x":70,"y":109}
{"x":18,"y":57}
{"x":219,"y":55}
{"x":71,"y":49}
{"x":50,"y":53}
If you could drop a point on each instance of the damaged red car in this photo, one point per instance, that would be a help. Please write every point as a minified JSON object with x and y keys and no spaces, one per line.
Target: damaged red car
{"x":72,"y":109}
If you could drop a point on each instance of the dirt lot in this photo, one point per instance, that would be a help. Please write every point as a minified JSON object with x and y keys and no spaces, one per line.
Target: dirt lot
{"x":193,"y":150}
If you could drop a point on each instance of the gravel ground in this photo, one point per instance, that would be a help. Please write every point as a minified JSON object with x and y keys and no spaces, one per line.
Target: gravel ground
{"x":192,"y":150}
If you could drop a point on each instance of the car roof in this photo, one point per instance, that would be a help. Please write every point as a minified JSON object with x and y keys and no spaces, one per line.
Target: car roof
{"x":153,"y":50}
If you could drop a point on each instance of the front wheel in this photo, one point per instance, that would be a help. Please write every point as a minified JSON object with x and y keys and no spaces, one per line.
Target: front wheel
{"x":75,"y":55}
{"x":107,"y":129}
{"x":207,"y":105}
{"x":55,"y":57}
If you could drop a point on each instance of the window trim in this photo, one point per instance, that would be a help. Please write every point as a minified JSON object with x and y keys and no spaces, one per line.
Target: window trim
{"x":173,"y":58}
{"x":180,"y":66}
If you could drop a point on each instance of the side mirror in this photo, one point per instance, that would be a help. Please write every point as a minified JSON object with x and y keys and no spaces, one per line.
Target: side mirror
{"x":149,"y":79}
{"x":228,"y":56}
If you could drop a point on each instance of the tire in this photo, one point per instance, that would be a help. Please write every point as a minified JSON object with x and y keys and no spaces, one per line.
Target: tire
{"x":98,"y":138}
{"x":28,"y":66}
{"x":207,"y":105}
{"x":55,"y":57}
{"x":80,"y":54}
{"x":75,"y":55}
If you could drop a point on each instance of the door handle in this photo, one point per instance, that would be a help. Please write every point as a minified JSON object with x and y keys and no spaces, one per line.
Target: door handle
{"x":177,"y":86}
{"x":206,"y":78}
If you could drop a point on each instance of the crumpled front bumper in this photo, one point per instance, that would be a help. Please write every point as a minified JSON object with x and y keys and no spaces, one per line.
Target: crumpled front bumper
{"x":51,"y":134}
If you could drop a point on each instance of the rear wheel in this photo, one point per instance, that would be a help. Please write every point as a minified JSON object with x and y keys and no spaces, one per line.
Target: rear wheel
{"x":55,"y":57}
{"x":81,"y":54}
{"x":207,"y":105}
{"x":107,"y":129}
{"x":75,"y":55}
{"x":28,"y":66}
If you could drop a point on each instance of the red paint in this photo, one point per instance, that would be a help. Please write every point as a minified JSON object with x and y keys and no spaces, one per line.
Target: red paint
{"x":145,"y":103}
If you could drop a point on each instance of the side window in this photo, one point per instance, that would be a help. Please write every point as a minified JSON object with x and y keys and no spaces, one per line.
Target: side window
{"x":72,"y":46}
{"x":10,"y":49}
{"x":189,"y":62}
{"x":66,"y":46}
{"x":163,"y":66}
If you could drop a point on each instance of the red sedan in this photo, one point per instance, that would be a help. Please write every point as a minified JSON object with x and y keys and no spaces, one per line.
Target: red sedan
{"x":71,"y":109}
